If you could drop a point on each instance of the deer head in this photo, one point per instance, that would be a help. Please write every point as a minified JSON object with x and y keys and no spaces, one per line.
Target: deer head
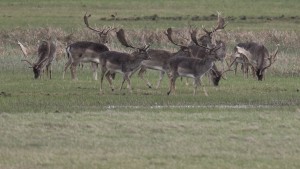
{"x":207,"y":38}
{"x":43,"y":57}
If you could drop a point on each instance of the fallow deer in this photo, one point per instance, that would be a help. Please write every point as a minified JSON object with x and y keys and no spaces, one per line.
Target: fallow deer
{"x":191,"y":67}
{"x":199,"y":51}
{"x":119,"y":62}
{"x":46,"y":54}
{"x":159,"y":59}
{"x":207,"y":38}
{"x":257,"y":56}
{"x":197,"y":66}
{"x":84,"y":51}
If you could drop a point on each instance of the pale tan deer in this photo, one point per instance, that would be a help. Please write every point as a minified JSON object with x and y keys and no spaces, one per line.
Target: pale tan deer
{"x":46,"y":54}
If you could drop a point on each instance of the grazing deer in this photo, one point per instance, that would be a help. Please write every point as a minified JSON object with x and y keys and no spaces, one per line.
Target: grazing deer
{"x":199,"y":51}
{"x":257,"y":56}
{"x":202,"y":61}
{"x":46,"y":54}
{"x":191,"y":67}
{"x":199,"y":48}
{"x":84,"y":51}
{"x":119,"y":62}
{"x":241,"y":59}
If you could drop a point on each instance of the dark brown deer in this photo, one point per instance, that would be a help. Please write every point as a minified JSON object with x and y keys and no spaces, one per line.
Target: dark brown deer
{"x":119,"y":62}
{"x":46,"y":54}
{"x":84,"y":51}
{"x":257,"y":56}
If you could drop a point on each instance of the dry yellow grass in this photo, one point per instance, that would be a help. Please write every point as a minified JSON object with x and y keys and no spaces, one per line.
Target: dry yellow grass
{"x":288,"y":57}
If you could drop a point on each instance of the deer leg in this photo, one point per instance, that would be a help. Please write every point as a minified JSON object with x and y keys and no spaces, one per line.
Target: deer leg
{"x":161,"y":75}
{"x":66,"y":67}
{"x":122,"y":83}
{"x":204,"y":90}
{"x":196,"y":83}
{"x":103,"y":71}
{"x":94,"y":68}
{"x":107,"y":75}
{"x":126,"y":77}
{"x":73,"y":71}
{"x":172,"y":84}
{"x":235,"y":68}
{"x":243,"y":69}
{"x":141,"y":75}
{"x":247,"y":71}
{"x":49,"y":69}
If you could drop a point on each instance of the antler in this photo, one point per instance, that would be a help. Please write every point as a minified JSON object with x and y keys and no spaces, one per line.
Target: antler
{"x":24,"y":49}
{"x":247,"y":54}
{"x":194,"y":39}
{"x":221,"y":22}
{"x":220,"y":25}
{"x":272,"y":58}
{"x":122,"y":39}
{"x":169,"y":35}
{"x":25,"y":60}
{"x":100,"y":32}
{"x":194,"y":36}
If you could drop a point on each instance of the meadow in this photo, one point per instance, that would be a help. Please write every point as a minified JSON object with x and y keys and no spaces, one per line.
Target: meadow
{"x":243,"y":123}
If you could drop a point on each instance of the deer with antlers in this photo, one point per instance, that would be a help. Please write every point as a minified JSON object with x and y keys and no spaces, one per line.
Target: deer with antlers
{"x":159,"y":60}
{"x":84,"y":51}
{"x":198,"y":50}
{"x":256,"y":56}
{"x":46,"y":54}
{"x":119,"y":62}
{"x":202,"y":62}
{"x":207,"y":38}
{"x":191,"y":67}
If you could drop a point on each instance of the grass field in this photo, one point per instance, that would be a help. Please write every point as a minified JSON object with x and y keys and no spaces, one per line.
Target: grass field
{"x":64,"y":124}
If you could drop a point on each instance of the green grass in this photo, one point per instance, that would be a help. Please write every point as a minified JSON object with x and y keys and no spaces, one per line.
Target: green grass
{"x":68,"y":14}
{"x":59,"y":95}
{"x":151,"y":139}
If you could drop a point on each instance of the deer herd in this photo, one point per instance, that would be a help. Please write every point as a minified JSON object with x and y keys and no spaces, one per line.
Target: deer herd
{"x":192,"y":60}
